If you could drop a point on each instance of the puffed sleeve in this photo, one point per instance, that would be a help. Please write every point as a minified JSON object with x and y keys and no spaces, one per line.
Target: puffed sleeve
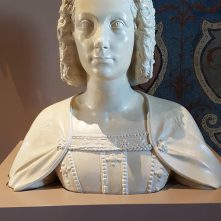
{"x":179,"y":144}
{"x":38,"y":155}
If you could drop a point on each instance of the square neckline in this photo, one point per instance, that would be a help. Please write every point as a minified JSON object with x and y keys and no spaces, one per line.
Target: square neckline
{"x":147,"y":112}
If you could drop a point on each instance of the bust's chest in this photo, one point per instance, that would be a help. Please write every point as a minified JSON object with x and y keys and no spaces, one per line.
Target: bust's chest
{"x":122,"y":164}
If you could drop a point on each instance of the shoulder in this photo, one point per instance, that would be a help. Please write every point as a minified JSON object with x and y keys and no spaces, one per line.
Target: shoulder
{"x":38,"y":155}
{"x":179,"y":144}
{"x":167,"y":111}
{"x":57,"y":108}
{"x":52,"y":118}
{"x":56,"y":111}
{"x":166,"y":104}
{"x":171,"y":113}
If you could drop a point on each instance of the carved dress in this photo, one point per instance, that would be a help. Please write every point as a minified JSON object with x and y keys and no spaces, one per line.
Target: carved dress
{"x":116,"y":164}
{"x":57,"y":144}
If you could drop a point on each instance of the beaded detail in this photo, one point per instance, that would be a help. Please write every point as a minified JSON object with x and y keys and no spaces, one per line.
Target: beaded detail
{"x":104,"y":173}
{"x":113,"y":158}
{"x":74,"y":173}
{"x":124,"y":175}
{"x":152,"y":169}
{"x":129,"y":142}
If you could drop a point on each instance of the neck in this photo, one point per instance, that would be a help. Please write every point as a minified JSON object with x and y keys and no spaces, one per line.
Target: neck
{"x":107,"y":95}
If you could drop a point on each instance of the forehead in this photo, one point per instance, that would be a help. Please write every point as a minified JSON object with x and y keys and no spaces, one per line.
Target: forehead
{"x":102,"y":7}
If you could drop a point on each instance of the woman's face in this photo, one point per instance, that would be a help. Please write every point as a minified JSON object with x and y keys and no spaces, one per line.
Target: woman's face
{"x":104,"y":36}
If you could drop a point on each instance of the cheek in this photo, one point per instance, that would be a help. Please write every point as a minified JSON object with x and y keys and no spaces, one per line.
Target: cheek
{"x":124,"y":44}
{"x":82,"y":51}
{"x":78,"y":41}
{"x":122,"y":39}
{"x":82,"y":45}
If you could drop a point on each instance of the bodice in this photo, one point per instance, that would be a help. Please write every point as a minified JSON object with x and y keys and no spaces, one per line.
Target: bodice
{"x":111,"y":164}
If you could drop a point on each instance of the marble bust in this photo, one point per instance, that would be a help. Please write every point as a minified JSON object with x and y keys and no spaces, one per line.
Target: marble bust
{"x":110,"y":138}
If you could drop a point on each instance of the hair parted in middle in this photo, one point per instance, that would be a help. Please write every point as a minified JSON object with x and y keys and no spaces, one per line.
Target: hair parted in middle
{"x":141,"y":68}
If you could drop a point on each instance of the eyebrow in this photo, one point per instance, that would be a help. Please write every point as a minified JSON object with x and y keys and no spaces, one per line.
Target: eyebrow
{"x":114,"y":15}
{"x":120,"y":14}
{"x":85,"y":14}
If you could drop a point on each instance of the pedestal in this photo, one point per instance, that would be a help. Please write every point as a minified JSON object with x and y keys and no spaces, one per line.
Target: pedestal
{"x":53,"y":202}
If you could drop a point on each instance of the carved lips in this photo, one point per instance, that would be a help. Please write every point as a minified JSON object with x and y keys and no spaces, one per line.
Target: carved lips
{"x":102,"y":60}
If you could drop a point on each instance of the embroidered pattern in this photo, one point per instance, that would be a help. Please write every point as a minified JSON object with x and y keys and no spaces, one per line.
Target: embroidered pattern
{"x":113,"y":154}
{"x":162,"y":146}
{"x":65,"y":171}
{"x":161,"y":175}
{"x":128,"y":142}
{"x":112,"y":159}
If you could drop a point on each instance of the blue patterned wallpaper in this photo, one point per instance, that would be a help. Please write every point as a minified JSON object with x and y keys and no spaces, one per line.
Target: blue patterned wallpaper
{"x":188,"y":61}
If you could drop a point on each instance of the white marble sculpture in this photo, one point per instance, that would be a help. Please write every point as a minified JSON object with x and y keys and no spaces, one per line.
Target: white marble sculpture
{"x":110,"y":138}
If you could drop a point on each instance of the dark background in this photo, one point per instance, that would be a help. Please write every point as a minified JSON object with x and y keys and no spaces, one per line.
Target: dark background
{"x":115,"y":213}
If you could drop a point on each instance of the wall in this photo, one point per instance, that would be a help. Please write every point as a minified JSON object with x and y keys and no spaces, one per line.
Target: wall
{"x":29,"y":66}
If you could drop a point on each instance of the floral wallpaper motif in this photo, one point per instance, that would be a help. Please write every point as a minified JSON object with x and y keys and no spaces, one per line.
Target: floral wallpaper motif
{"x":192,"y":38}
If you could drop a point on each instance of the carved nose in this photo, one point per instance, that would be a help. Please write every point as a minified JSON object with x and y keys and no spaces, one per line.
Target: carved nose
{"x":101,"y":40}
{"x":101,"y":44}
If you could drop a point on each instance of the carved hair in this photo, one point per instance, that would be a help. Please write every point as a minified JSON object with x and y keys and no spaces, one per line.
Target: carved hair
{"x":141,"y":68}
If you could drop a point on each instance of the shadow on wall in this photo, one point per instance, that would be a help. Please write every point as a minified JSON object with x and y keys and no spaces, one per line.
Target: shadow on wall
{"x":17,"y":59}
{"x":18,"y":97}
{"x":29,"y":72}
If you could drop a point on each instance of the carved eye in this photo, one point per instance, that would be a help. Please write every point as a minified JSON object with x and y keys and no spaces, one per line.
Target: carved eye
{"x":117,"y":24}
{"x":86,"y":25}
